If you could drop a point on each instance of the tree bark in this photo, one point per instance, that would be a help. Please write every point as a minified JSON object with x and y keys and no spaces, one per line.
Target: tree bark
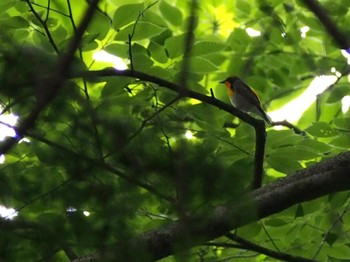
{"x":331,"y":175}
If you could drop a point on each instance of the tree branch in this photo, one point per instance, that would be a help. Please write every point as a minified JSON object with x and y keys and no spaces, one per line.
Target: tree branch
{"x":329,"y":176}
{"x":260,"y":141}
{"x":20,"y":224}
{"x":183,"y":91}
{"x":44,"y":25}
{"x":110,"y":72}
{"x":340,"y":38}
{"x":50,"y":85}
{"x":245,"y":244}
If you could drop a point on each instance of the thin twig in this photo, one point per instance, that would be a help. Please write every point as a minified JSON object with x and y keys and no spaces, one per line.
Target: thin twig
{"x":70,"y":15}
{"x":271,"y":253}
{"x":54,"y":82}
{"x":130,"y":36}
{"x":103,"y":165}
{"x":346,"y":209}
{"x":41,"y":196}
{"x":258,"y":125}
{"x":290,"y":126}
{"x":47,"y":11}
{"x":51,"y":9}
{"x":43,"y":24}
{"x":145,"y":122}
{"x":269,"y":237}
{"x":235,"y":146}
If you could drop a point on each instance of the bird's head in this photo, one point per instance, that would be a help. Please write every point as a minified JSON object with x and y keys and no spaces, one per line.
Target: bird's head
{"x":231,"y":81}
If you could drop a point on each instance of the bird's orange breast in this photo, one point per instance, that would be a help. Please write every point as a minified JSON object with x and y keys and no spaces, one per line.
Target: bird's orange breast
{"x":229,"y":89}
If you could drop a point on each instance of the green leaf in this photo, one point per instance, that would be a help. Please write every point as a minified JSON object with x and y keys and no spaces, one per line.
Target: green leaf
{"x":314,"y":146}
{"x":297,"y":152}
{"x":342,"y":123}
{"x":126,"y":14}
{"x":299,"y":211}
{"x":336,"y":251}
{"x":100,"y":25}
{"x":141,"y":61}
{"x":157,"y":52}
{"x":120,"y":50}
{"x":338,"y":200}
{"x":171,"y":13}
{"x":238,"y":40}
{"x":275,"y":222}
{"x":15,"y":22}
{"x":159,"y":72}
{"x":321,"y":129}
{"x":337,"y":93}
{"x":244,"y":7}
{"x":6,"y":4}
{"x":206,"y":47}
{"x":282,"y":138}
{"x":283,"y":163}
{"x":174,"y":45}
{"x":341,"y":141}
{"x":200,"y":65}
{"x":250,"y":231}
{"x":143,"y":30}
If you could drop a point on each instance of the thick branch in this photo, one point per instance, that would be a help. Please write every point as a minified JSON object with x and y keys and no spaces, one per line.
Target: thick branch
{"x":332,"y":175}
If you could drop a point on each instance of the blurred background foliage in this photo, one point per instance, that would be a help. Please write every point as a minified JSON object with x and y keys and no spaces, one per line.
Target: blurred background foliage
{"x":114,"y":157}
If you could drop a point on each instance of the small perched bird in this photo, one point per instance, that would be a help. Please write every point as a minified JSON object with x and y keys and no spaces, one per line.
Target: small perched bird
{"x":244,"y":98}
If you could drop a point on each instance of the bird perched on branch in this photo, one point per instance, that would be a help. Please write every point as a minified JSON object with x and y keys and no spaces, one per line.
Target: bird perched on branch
{"x":244,"y":98}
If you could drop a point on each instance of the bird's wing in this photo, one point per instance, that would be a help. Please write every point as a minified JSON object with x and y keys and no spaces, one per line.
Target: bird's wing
{"x":248,"y":93}
{"x":253,"y":98}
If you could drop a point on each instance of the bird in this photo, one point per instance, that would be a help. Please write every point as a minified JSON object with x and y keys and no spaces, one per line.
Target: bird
{"x":244,"y":98}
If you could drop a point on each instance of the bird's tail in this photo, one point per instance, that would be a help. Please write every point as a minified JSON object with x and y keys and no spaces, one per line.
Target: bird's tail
{"x":264,"y":116}
{"x":267,"y":119}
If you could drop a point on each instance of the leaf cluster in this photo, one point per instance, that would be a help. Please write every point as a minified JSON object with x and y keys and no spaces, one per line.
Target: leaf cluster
{"x":134,"y":155}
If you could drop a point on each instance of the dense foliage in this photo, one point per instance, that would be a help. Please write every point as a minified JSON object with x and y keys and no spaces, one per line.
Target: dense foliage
{"x":111,"y":157}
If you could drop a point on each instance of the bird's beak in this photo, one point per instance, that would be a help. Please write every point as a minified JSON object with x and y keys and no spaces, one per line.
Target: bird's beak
{"x":223,"y":82}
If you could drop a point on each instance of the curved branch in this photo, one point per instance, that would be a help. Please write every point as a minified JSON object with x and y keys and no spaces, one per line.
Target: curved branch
{"x":183,"y":91}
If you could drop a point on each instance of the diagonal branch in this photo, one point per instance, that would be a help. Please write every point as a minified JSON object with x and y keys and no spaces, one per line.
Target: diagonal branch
{"x":183,"y":91}
{"x":110,"y":72}
{"x":329,"y":176}
{"x":52,"y":83}
{"x":341,"y":39}
{"x":20,"y":224}
{"x":130,"y":36}
{"x":44,"y":25}
{"x":248,"y":245}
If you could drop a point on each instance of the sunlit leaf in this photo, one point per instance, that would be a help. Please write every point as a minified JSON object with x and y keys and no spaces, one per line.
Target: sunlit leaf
{"x":126,"y":14}
{"x":142,"y":30}
{"x":171,"y":13}
{"x":321,"y":129}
